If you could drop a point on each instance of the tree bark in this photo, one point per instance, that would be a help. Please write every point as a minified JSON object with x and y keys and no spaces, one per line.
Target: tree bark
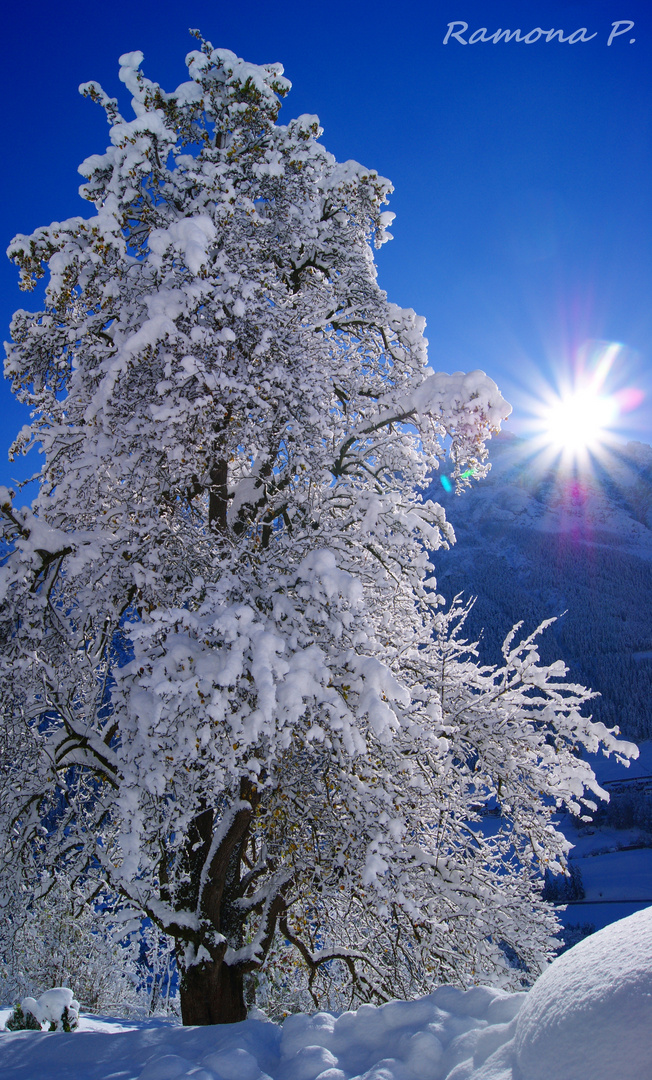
{"x":212,"y":993}
{"x":218,"y":496}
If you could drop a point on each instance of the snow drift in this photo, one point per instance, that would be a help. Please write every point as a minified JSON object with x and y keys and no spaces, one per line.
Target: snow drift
{"x":592,"y":1009}
{"x":589,"y":1017}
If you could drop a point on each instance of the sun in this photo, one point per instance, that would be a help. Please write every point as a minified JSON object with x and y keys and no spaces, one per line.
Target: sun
{"x":579,"y":420}
{"x":576,"y":415}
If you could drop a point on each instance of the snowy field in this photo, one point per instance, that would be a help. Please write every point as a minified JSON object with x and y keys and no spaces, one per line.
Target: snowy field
{"x":588,"y":1017}
{"x":615,"y":865}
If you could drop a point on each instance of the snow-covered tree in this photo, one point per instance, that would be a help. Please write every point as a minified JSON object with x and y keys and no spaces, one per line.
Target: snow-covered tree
{"x":218,"y":681}
{"x":54,"y":936}
{"x":483,"y":803}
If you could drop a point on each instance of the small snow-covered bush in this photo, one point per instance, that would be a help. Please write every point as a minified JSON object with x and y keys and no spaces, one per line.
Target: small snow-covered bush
{"x":20,"y":1020}
{"x":57,"y":1008}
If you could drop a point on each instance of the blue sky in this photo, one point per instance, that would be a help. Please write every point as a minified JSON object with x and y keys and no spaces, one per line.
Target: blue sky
{"x":521,"y":171}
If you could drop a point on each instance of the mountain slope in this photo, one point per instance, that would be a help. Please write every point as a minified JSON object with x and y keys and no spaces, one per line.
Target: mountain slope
{"x":534,"y":542}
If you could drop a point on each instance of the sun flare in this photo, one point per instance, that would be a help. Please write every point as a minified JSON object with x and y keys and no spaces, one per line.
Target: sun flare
{"x":579,"y":420}
{"x":578,"y":416}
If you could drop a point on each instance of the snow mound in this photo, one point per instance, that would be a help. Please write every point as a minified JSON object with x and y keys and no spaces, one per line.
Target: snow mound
{"x":589,"y":1016}
{"x":403,"y":1040}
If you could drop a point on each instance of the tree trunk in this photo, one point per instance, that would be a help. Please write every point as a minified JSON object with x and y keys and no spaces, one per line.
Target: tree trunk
{"x":212,"y":993}
{"x":218,"y":495}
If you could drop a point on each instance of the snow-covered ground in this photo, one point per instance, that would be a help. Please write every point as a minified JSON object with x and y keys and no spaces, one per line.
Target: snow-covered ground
{"x":588,"y":1017}
{"x":615,"y":865}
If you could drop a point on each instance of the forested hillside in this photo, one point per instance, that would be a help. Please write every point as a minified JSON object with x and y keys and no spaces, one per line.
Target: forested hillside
{"x":535,"y":542}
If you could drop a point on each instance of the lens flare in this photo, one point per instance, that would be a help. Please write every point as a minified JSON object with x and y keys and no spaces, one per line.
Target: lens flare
{"x":580,"y":420}
{"x":582,"y":417}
